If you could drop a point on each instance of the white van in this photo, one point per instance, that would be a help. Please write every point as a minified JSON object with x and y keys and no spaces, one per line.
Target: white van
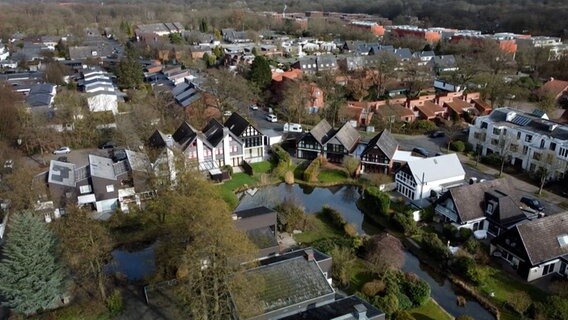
{"x":292,"y":127}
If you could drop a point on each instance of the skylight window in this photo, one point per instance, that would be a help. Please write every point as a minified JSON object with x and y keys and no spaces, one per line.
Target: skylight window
{"x":563,"y":240}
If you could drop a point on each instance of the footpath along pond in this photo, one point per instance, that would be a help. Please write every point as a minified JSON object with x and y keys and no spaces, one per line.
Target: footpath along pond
{"x":344,"y":199}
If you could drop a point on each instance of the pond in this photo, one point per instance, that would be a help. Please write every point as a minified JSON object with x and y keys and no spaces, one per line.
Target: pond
{"x":344,"y":199}
{"x":135,"y":265}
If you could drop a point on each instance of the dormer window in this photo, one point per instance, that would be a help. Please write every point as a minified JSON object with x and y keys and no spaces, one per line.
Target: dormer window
{"x":491,"y":207}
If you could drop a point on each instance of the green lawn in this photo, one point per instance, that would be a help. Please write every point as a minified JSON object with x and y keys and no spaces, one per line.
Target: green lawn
{"x":429,"y":311}
{"x":332,"y":176}
{"x":228,"y":187}
{"x":321,"y":230}
{"x":262,"y":167}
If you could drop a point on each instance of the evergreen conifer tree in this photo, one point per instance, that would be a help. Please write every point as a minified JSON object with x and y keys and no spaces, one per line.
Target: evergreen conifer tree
{"x":260,"y":72}
{"x":31,"y":278}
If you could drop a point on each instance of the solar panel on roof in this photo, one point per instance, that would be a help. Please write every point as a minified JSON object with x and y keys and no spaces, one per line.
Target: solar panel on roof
{"x":521,"y":120}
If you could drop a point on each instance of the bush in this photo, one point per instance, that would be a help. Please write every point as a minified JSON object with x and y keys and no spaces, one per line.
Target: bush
{"x":465,"y":234}
{"x":312,"y":171}
{"x":350,"y":230}
{"x":471,"y":245}
{"x":417,"y":290}
{"x":465,"y":267}
{"x":372,"y":288}
{"x":468,"y":147}
{"x":404,"y":223}
{"x":434,"y":246}
{"x":556,"y":308}
{"x":334,"y":217}
{"x":404,"y":302}
{"x":388,"y":303}
{"x":423,"y":126}
{"x":293,"y":216}
{"x":458,"y":146}
{"x":283,"y":159}
{"x":520,"y":301}
{"x":114,"y":303}
{"x":351,"y":164}
{"x":228,"y":168}
{"x":492,"y":160}
{"x":327,"y":244}
{"x":378,"y":199}
{"x":464,"y":317}
{"x":450,"y":231}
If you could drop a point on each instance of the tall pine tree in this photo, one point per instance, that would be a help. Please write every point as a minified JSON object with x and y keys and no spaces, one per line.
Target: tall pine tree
{"x":31,"y":280}
{"x":260,"y":72}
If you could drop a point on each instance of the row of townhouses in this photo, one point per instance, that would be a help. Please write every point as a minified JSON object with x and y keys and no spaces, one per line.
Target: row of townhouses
{"x":529,"y":141}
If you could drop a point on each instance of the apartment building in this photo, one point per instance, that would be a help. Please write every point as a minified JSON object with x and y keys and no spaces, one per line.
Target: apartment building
{"x":529,"y":141}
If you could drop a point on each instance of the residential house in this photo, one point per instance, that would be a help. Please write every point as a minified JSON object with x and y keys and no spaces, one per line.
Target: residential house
{"x":198,"y":51}
{"x":260,"y":224}
{"x":4,"y":53}
{"x":458,"y":108}
{"x":316,"y":64}
{"x":489,"y":205}
{"x":418,"y":179}
{"x":232,"y":36}
{"x":210,"y":149}
{"x":252,"y":138}
{"x":102,"y":94}
{"x":358,"y":115}
{"x":537,"y":248}
{"x":102,"y":185}
{"x":328,"y":142}
{"x":351,"y":307}
{"x":41,"y":97}
{"x":185,"y":93}
{"x":528,"y":141}
{"x":430,"y":36}
{"x":428,"y":110}
{"x":159,"y":29}
{"x":557,"y":89}
{"x":377,"y":157}
{"x":443,"y":63}
{"x":394,"y":113}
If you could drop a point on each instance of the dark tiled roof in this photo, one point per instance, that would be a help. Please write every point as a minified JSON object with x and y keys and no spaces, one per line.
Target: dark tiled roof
{"x":539,"y":239}
{"x":319,"y":256}
{"x":184,"y":134}
{"x":469,"y":199}
{"x":339,"y":308}
{"x":322,"y":131}
{"x":348,"y":136}
{"x":507,"y":211}
{"x":237,"y":124}
{"x":247,"y":213}
{"x":214,"y":132}
{"x":386,"y":143}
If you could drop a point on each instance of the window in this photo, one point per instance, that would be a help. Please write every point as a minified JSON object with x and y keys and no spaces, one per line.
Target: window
{"x":552,"y":146}
{"x":549,"y":268}
{"x":494,"y":142}
{"x":518,"y":135}
{"x":484,"y":125}
{"x":514,"y":147}
{"x":542,"y":143}
{"x":496,"y":131}
{"x":85,"y":189}
{"x":528,"y":138}
{"x":525,"y":149}
{"x":563,"y":153}
{"x":537,"y":156}
{"x":110,"y":188}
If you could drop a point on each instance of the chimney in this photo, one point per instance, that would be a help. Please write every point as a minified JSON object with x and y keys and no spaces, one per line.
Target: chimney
{"x":169,"y":140}
{"x":360,"y":311}
{"x":309,"y":254}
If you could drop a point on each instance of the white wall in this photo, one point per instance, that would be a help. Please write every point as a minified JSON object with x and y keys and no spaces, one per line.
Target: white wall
{"x":103,"y":102}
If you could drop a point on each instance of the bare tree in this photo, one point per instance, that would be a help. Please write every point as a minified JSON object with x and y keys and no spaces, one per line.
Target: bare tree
{"x":505,"y":144}
{"x":297,"y":97}
{"x":549,"y":169}
{"x":382,"y":71}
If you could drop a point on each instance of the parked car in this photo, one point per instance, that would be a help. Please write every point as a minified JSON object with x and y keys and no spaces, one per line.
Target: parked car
{"x":437,"y":134}
{"x":532,"y":203}
{"x":62,"y":150}
{"x":108,"y":145}
{"x":271,"y":118}
{"x":421,"y":151}
{"x":253,"y":107}
{"x":63,"y":159}
{"x":292,"y":127}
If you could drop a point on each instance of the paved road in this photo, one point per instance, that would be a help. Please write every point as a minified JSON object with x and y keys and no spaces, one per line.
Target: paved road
{"x":435,"y":145}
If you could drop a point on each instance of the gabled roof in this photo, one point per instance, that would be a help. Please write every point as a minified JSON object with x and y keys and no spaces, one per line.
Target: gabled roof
{"x":505,"y":209}
{"x":385,"y":142}
{"x":347,"y":136}
{"x":429,"y":109}
{"x":554,"y":87}
{"x":436,"y":168}
{"x":237,"y":124}
{"x":322,"y":132}
{"x":184,"y":134}
{"x":458,"y":105}
{"x":214,"y":132}
{"x":469,"y":199}
{"x":537,"y":240}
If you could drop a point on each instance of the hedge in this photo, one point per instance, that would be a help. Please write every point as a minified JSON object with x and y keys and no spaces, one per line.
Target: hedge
{"x":378,"y":199}
{"x":334,"y":217}
{"x":312,"y":171}
{"x":283,"y":158}
{"x":458,"y":146}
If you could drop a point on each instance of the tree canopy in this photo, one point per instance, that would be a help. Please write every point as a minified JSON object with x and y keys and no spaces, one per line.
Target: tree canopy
{"x":260,"y":72}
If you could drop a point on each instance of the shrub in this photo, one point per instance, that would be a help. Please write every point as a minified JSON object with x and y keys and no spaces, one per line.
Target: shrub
{"x":433,"y":245}
{"x":229,"y":169}
{"x":350,"y":230}
{"x":427,"y":215}
{"x":388,"y":303}
{"x":327,"y":244}
{"x":384,"y":252}
{"x":293,"y":215}
{"x":342,"y":263}
{"x":417,"y":290}
{"x":423,"y":125}
{"x":351,"y":164}
{"x":334,"y":217}
{"x":289,"y":177}
{"x":457,"y":145}
{"x":471,"y":245}
{"x":404,"y":302}
{"x":468,"y":147}
{"x":450,"y":231}
{"x":404,"y":223}
{"x":465,"y":234}
{"x":312,"y":171}
{"x":114,"y":303}
{"x":372,"y":288}
{"x":465,"y":267}
{"x":378,"y":199}
{"x":557,"y":308}
{"x":492,"y":160}
{"x":520,"y":301}
{"x":283,"y":159}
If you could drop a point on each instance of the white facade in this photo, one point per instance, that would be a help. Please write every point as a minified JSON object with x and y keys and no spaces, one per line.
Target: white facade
{"x":529,"y":142}
{"x":420,"y":177}
{"x":4,"y":54}
{"x":103,"y":102}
